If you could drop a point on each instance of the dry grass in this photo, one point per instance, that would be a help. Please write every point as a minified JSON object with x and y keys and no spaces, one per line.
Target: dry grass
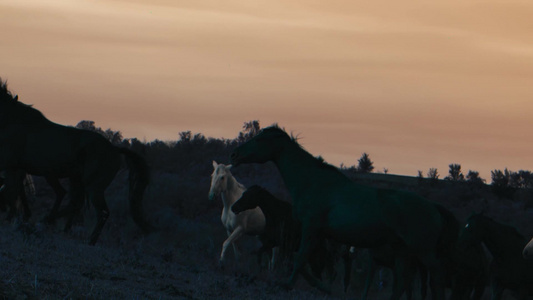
{"x":180,"y":260}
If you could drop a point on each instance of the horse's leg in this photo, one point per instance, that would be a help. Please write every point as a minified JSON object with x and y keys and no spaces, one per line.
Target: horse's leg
{"x":398,"y":284}
{"x":308,"y":276}
{"x":102,"y":211}
{"x":24,"y":202}
{"x":308,"y":243}
{"x":369,"y":277}
{"x":60,"y":194}
{"x":497,"y":291}
{"x":435,"y":269}
{"x":347,"y":268}
{"x":3,"y":204}
{"x":77,"y":196}
{"x":423,"y":280}
{"x":237,"y":233}
{"x":12,"y":188}
{"x":479,"y":289}
{"x":275,"y":254}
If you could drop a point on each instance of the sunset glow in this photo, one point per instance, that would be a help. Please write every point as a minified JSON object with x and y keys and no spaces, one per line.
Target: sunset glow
{"x":415,"y":84}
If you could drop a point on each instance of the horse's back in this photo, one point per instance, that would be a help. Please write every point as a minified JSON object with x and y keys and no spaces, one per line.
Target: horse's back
{"x":379,"y":216}
{"x":62,"y":151}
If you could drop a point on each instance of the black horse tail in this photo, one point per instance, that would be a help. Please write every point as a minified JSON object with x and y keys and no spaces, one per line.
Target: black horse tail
{"x":138,"y":180}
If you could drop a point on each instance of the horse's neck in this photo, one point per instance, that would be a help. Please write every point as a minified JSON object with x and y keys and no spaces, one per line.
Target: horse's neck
{"x":233,"y":192}
{"x":28,"y":115}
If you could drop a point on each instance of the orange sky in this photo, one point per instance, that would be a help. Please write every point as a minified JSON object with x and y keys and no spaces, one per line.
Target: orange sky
{"x":416,"y":84}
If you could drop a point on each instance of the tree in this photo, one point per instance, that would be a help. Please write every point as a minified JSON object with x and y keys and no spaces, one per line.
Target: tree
{"x":521,"y":179}
{"x":185,"y":136}
{"x":87,"y":125}
{"x":473,"y":177}
{"x":250,"y":129}
{"x":433,"y":174}
{"x":365,"y":164}
{"x":500,"y":182}
{"x":499,"y":178}
{"x":455,"y":173}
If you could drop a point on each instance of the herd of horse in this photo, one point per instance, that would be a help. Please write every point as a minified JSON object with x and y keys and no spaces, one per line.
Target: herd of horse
{"x":401,"y":230}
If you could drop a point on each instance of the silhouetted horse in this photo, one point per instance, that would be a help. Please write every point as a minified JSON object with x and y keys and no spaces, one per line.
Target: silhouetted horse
{"x":508,"y":269}
{"x":528,"y":250}
{"x":30,"y":143}
{"x":470,"y":273}
{"x":283,"y":230}
{"x":330,"y":205}
{"x":386,"y":256}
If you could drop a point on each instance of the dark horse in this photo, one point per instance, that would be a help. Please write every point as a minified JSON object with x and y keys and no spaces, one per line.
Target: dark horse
{"x":281,"y":229}
{"x":508,"y":269}
{"x":50,"y":218}
{"x":30,"y":143}
{"x":284,"y":231}
{"x":330,"y":205}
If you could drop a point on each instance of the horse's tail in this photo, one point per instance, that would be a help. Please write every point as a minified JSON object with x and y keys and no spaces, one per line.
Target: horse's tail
{"x":138,"y":180}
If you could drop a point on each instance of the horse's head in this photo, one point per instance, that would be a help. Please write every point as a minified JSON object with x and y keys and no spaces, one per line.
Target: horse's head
{"x":247,"y":201}
{"x":472,"y":233}
{"x":219,"y":179}
{"x":263,"y":147}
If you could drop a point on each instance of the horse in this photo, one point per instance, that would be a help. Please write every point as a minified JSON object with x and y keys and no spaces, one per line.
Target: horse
{"x":29,"y":188}
{"x":250,"y":222}
{"x":385,"y":256}
{"x":528,"y":250}
{"x":469,"y":273}
{"x":329,"y":205}
{"x":282,"y":229}
{"x":508,"y":269}
{"x":32,"y":144}
{"x":26,"y":186}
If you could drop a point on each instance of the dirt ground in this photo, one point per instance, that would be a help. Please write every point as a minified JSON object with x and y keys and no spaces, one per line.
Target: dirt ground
{"x":42,"y":262}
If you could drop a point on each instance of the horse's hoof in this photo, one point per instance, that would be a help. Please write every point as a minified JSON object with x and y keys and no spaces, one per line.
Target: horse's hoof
{"x":286,"y":285}
{"x":221,"y":265}
{"x":49,"y":220}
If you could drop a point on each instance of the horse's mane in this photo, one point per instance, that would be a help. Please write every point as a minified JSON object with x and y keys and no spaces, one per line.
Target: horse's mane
{"x":5,"y":94}
{"x":294,"y":139}
{"x":7,"y":97}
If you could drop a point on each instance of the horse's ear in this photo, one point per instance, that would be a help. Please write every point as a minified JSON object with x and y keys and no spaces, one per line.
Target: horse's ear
{"x":228,"y":167}
{"x":215,"y":164}
{"x":16,"y":98}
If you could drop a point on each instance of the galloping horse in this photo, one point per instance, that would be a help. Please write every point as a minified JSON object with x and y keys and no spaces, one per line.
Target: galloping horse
{"x":330,"y":205}
{"x":528,"y":250}
{"x":30,"y":143}
{"x":508,"y":269}
{"x":281,"y":229}
{"x":250,"y":222}
{"x":284,"y":232}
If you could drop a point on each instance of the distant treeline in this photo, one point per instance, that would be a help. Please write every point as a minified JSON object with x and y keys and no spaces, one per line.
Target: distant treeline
{"x":192,"y":154}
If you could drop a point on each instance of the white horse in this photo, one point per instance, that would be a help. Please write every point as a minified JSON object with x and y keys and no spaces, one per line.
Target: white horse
{"x":250,"y":222}
{"x":528,"y":250}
